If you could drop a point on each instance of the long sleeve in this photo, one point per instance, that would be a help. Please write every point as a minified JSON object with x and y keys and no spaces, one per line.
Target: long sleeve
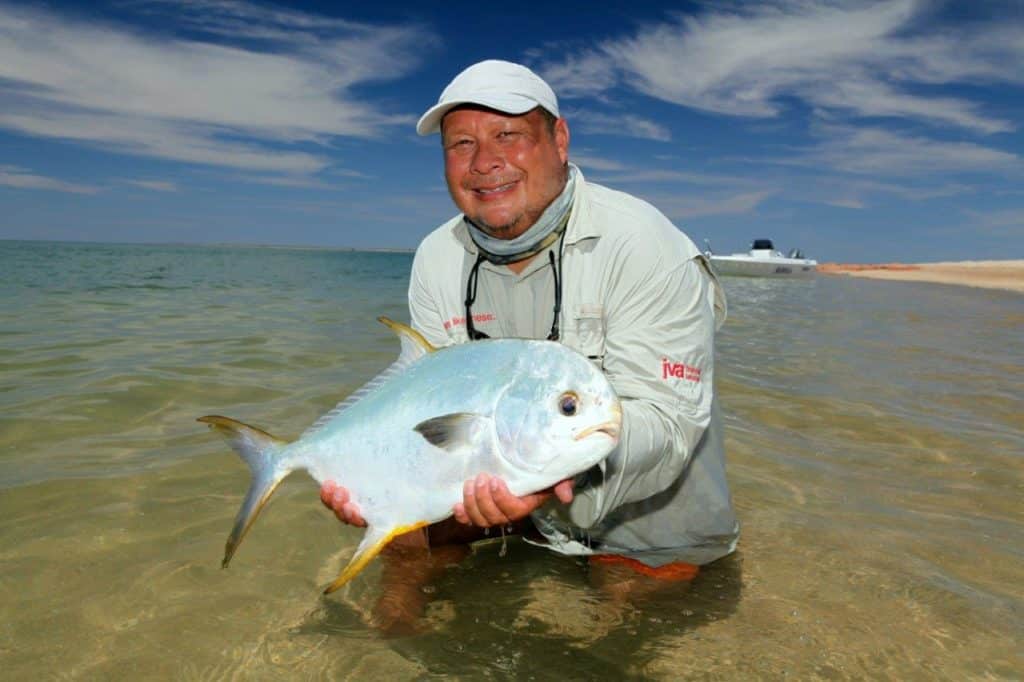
{"x":660,"y":359}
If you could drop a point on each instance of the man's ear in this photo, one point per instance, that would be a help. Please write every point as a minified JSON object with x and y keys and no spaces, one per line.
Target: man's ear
{"x":562,"y":139}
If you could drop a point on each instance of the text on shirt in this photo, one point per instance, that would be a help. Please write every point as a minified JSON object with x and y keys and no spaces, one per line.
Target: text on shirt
{"x":461,"y":321}
{"x":679,"y":370}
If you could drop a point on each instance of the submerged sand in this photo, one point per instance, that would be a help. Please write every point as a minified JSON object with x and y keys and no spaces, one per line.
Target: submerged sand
{"x":988,"y":274}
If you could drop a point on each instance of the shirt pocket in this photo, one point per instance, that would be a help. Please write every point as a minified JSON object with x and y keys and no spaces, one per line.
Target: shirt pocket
{"x":587,"y":331}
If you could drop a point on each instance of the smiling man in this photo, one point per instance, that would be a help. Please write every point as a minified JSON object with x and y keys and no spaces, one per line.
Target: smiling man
{"x":539,"y":252}
{"x":501,"y":170}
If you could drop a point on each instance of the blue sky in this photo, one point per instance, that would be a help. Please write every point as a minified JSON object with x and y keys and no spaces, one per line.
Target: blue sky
{"x":857,"y":131}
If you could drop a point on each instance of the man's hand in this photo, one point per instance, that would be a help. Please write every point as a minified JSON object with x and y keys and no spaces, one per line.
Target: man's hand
{"x":337,"y":500}
{"x":486,"y":501}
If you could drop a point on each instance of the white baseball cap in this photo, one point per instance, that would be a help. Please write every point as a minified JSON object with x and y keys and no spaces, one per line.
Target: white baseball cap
{"x":495,"y":84}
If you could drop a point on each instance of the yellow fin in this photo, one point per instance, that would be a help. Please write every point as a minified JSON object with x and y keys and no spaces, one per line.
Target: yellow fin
{"x":233,"y":428}
{"x":370,"y":547}
{"x":260,"y":451}
{"x":406,"y":332}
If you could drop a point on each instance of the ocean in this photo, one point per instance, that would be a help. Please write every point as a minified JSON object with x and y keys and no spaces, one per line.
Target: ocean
{"x":875,"y":444}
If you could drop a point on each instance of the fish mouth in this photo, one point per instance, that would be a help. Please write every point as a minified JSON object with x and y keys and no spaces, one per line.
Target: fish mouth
{"x":610,"y":429}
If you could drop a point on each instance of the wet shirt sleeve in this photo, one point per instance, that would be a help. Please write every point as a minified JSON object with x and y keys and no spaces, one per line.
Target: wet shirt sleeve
{"x":660,"y":359}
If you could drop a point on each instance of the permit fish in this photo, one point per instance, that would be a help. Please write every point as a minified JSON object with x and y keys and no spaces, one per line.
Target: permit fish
{"x":530,"y":412}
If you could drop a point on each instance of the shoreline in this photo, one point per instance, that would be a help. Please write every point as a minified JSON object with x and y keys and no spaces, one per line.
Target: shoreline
{"x":1007,"y":275}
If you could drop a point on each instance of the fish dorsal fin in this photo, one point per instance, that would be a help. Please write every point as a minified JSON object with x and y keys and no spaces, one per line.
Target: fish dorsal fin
{"x":414,"y":347}
{"x":450,"y":431}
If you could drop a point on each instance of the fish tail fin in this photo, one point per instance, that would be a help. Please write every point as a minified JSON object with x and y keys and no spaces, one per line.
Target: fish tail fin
{"x":260,"y":451}
{"x":373,"y":542}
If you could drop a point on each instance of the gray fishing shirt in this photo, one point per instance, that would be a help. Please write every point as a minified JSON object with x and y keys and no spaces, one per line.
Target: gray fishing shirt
{"x":638,"y":299}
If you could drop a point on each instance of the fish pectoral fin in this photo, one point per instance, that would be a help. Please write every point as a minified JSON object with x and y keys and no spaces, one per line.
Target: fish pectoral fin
{"x":449,"y":431}
{"x":372,"y":544}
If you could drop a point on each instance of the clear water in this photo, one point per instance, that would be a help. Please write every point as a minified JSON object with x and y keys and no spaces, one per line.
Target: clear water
{"x":876,"y":452}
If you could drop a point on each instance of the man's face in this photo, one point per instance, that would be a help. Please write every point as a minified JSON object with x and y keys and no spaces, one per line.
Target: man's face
{"x":503,"y":170}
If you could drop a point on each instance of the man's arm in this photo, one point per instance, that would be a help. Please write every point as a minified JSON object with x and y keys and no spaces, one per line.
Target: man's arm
{"x":660,"y":359}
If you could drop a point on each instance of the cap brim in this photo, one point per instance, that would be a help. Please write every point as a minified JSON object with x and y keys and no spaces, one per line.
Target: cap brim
{"x":430,"y":122}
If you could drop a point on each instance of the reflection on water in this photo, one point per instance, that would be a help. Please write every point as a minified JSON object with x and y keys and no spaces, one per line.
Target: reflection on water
{"x":875,"y":451}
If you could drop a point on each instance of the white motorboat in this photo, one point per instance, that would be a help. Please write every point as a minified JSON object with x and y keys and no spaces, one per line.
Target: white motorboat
{"x":762,"y":260}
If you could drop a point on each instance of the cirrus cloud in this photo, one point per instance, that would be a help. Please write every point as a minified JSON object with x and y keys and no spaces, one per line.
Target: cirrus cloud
{"x":270,"y":99}
{"x":864,"y":59}
{"x":20,"y":178}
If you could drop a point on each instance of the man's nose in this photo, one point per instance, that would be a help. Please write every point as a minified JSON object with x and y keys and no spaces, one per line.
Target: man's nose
{"x":488,"y":157}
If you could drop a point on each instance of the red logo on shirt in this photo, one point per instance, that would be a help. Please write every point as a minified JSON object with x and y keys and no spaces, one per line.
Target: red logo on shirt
{"x":461,"y":321}
{"x":679,"y":370}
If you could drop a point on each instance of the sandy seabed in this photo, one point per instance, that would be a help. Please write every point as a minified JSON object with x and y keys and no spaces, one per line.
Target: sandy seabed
{"x":988,"y":274}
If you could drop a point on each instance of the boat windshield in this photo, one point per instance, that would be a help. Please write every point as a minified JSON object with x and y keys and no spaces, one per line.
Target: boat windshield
{"x":760,"y":244}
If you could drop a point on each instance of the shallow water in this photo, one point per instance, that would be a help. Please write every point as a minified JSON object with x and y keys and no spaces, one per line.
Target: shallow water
{"x":876,"y":454}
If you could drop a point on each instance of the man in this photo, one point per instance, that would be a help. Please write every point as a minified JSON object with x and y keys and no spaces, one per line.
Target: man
{"x":539,"y":252}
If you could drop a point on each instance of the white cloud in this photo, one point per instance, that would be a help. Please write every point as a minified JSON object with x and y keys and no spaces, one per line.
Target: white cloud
{"x":883,"y":153}
{"x":589,"y":162}
{"x":237,"y":19}
{"x":194,"y":143}
{"x":198,"y":100}
{"x":845,"y":202}
{"x":1007,"y":222}
{"x":678,"y":177}
{"x":874,"y":98}
{"x":623,"y":125}
{"x":618,"y":172}
{"x":854,"y":58}
{"x":303,"y":181}
{"x":914,"y":192}
{"x":581,"y":75}
{"x":680,"y":207}
{"x":154,"y":185}
{"x":12,"y":176}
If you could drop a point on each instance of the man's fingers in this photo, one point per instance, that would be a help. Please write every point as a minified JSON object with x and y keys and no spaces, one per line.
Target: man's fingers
{"x":333,"y":495}
{"x":459,"y":510}
{"x":338,"y":500}
{"x":563,"y":491}
{"x":327,"y":492}
{"x":511,"y":507}
{"x":350,"y":514}
{"x":472,"y":505}
{"x":487,"y":501}
{"x":486,"y":489}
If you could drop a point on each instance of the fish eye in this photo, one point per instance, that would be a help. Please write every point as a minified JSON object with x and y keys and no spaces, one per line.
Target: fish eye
{"x":568,"y":403}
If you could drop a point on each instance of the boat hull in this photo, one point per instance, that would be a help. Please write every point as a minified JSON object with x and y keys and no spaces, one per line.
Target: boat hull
{"x":764,"y":267}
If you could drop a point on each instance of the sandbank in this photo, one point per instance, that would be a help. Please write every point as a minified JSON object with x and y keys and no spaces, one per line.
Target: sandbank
{"x":988,"y":274}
